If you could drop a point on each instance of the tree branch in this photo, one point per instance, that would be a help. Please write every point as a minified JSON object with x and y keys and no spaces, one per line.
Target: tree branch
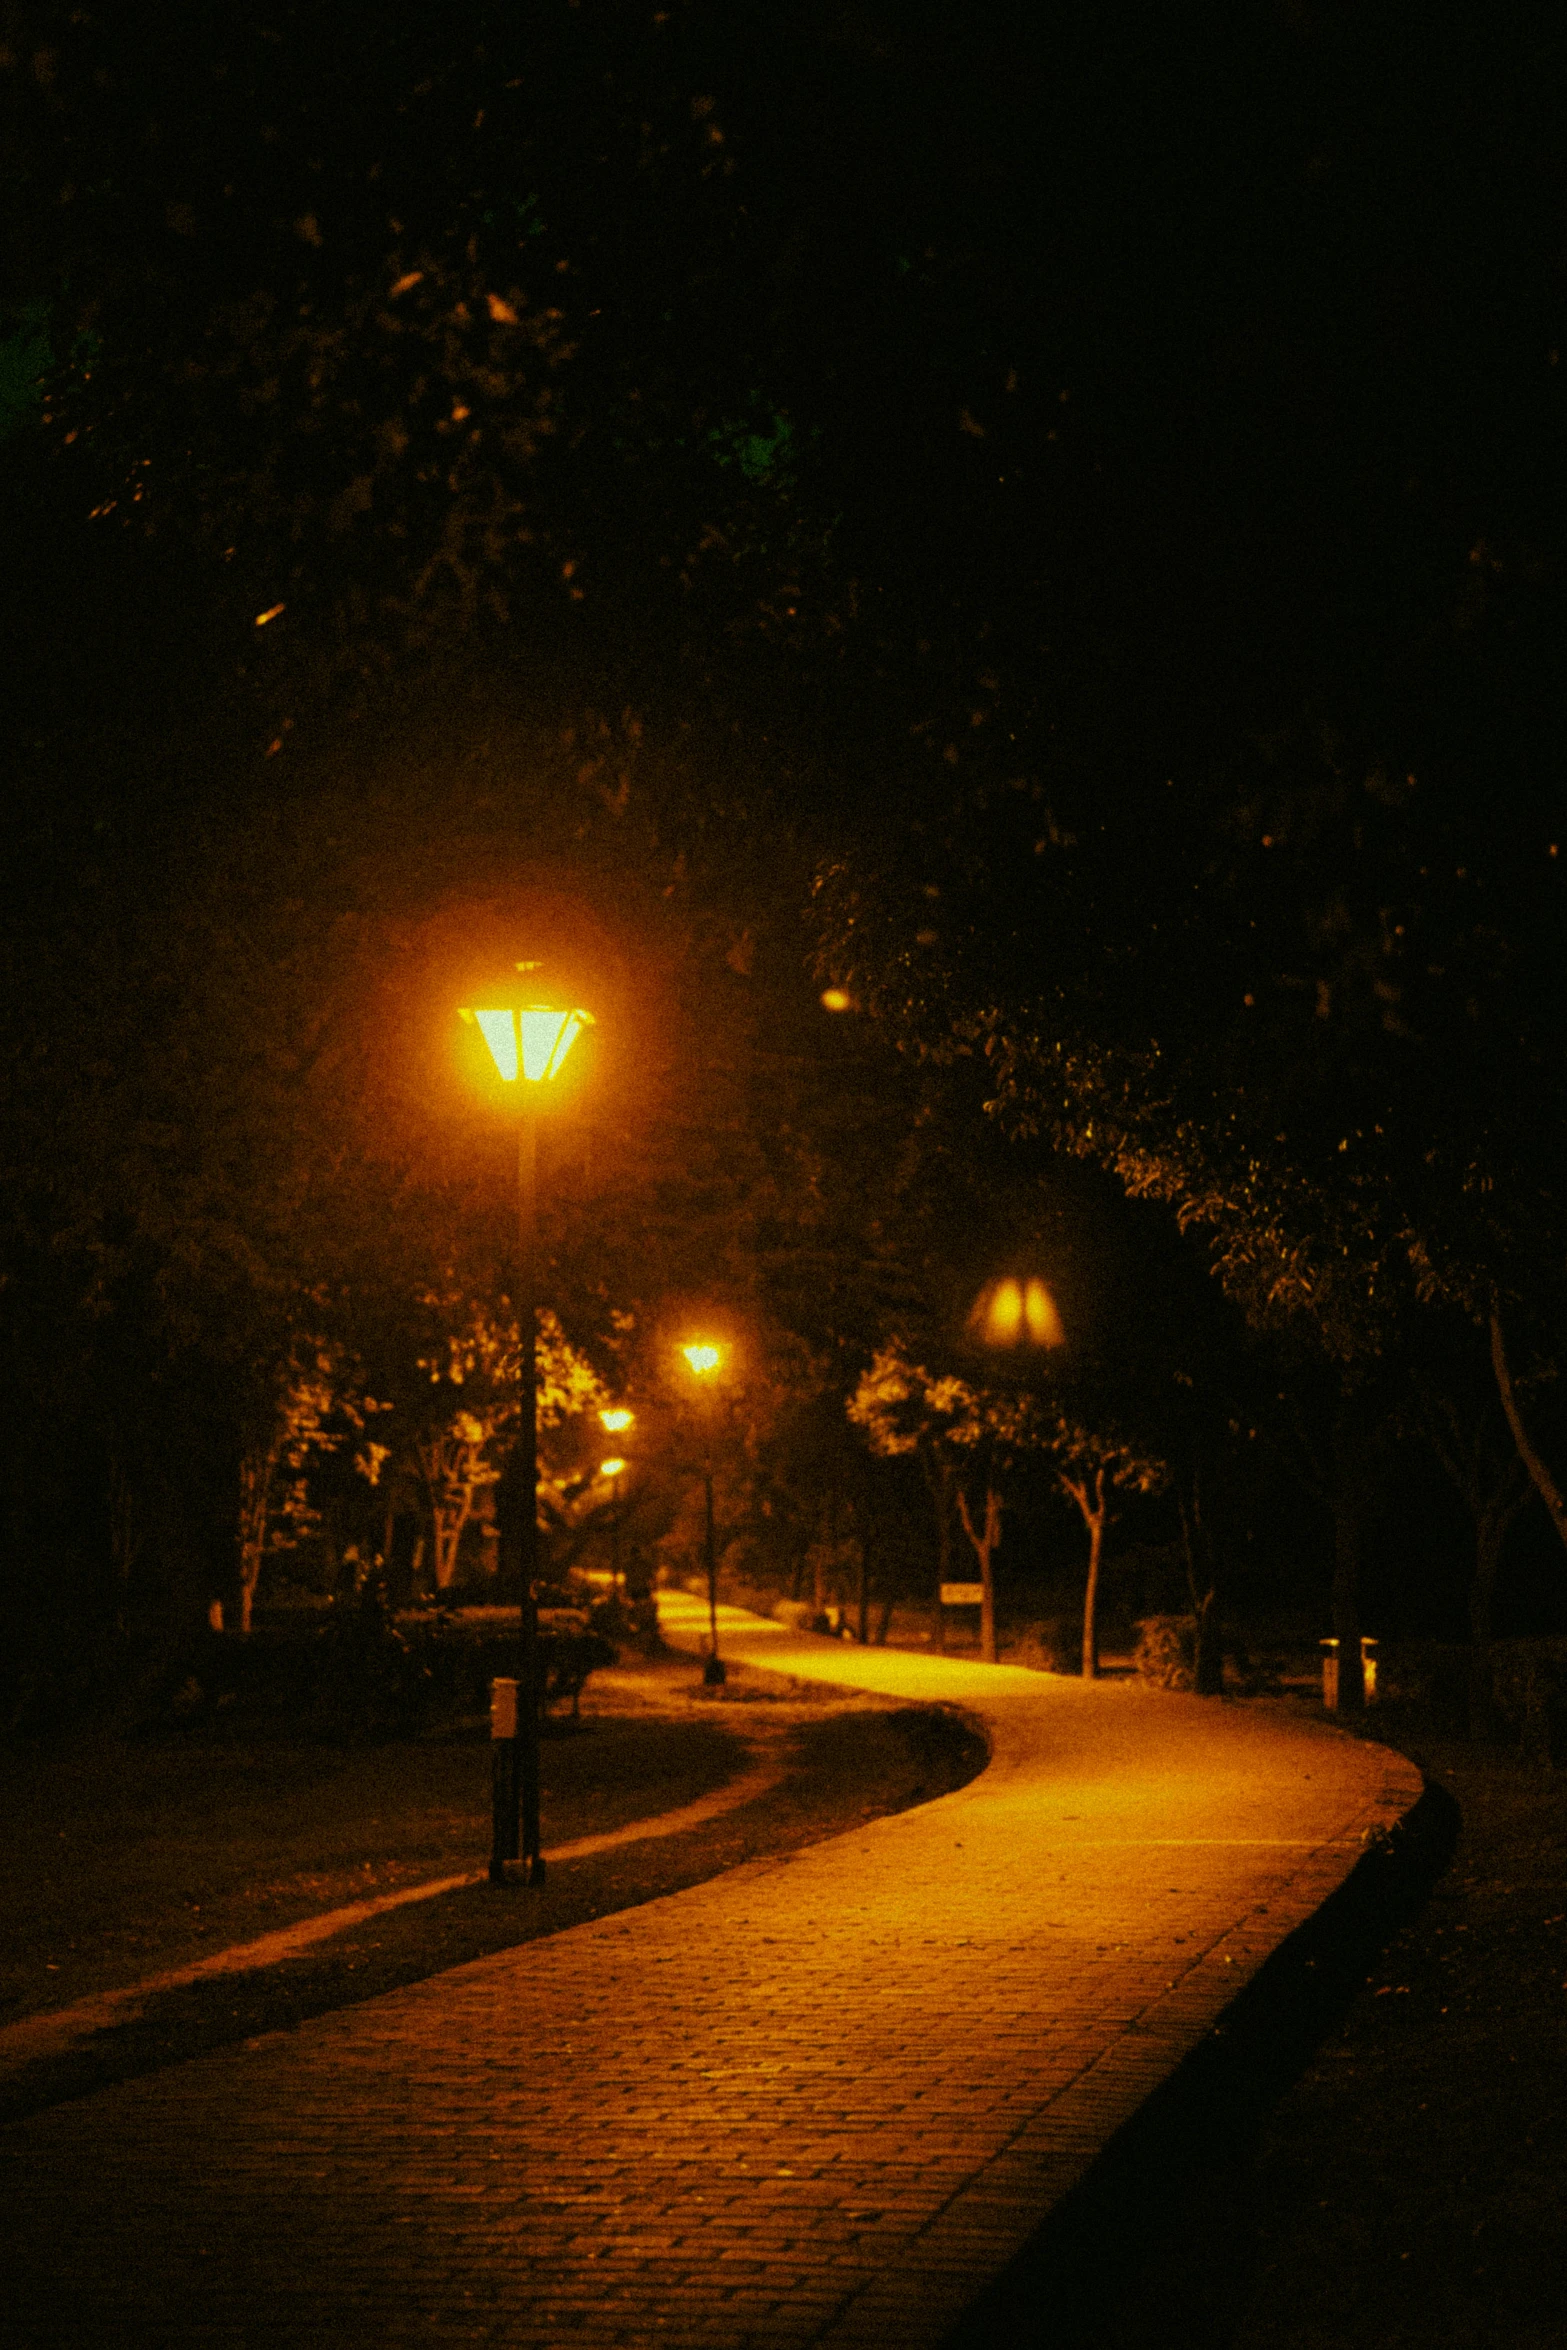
{"x":1544,"y":1483}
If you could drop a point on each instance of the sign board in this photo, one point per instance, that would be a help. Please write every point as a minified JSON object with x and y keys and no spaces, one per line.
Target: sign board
{"x":503,"y":1709}
{"x":963,"y":1595}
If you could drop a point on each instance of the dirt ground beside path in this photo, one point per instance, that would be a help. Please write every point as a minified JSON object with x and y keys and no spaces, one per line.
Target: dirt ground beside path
{"x":844,"y":1759}
{"x":1409,"y":2191}
{"x":1412,"y":2188}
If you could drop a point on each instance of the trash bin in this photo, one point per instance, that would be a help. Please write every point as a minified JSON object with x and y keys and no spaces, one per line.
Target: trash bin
{"x":1368,"y":1671}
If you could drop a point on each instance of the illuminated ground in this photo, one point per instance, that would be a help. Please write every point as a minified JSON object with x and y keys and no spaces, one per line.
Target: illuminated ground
{"x":822,"y":2099}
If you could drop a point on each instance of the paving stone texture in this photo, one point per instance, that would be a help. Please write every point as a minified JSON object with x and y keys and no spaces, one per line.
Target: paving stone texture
{"x":821,"y":2100}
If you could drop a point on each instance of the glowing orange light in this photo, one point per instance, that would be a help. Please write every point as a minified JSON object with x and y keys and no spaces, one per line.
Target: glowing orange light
{"x":270,"y":614}
{"x":1004,"y":1318}
{"x":532,"y":1042}
{"x":615,"y":1418}
{"x":612,"y":1468}
{"x":1039,"y":1312}
{"x":703,"y":1358}
{"x":837,"y":999}
{"x":1017,"y":1313}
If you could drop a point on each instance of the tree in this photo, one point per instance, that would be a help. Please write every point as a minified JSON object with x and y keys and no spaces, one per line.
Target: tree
{"x":1091,"y":1469}
{"x":1467,"y":1431}
{"x":1528,"y":1454}
{"x":1285,"y":1024}
{"x":956,"y":1429}
{"x":293,"y":1406}
{"x":953,"y":1430}
{"x":446,"y":1373}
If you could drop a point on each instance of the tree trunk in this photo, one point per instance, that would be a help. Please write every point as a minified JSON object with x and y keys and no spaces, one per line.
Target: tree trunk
{"x":1202,"y":1584}
{"x":1208,"y":1667}
{"x":1096,"y":1527}
{"x":255,"y":1482}
{"x":448,"y":1517}
{"x":1095,"y":1514}
{"x":987,"y":1608}
{"x":1491,"y":1524}
{"x":1544,"y":1483}
{"x":1493,"y":1501}
{"x":985,"y":1548}
{"x":865,"y":1588}
{"x":822,"y":1551}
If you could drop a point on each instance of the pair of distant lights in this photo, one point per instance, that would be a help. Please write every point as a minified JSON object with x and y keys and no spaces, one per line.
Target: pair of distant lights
{"x":1016,"y":1313}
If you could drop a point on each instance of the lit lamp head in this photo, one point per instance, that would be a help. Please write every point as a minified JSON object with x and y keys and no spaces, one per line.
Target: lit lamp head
{"x":530,"y":1043}
{"x":613,"y":1468}
{"x":1016,"y":1314}
{"x":702,"y":1358}
{"x":616,"y":1418}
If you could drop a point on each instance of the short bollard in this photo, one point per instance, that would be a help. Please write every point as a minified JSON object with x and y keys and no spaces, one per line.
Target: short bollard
{"x":504,"y":1752}
{"x":1368,"y":1672}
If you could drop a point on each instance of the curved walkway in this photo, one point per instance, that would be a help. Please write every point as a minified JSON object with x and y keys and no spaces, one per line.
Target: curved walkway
{"x":821,"y":2100}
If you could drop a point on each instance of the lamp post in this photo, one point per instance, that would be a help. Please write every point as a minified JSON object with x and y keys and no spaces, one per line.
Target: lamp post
{"x":527,"y":1045}
{"x":1017,"y":1317}
{"x":614,"y":1469}
{"x":703,"y":1360}
{"x":615,"y":1419}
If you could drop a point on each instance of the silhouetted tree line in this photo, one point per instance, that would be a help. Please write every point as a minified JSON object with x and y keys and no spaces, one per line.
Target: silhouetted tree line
{"x":1052,"y":526}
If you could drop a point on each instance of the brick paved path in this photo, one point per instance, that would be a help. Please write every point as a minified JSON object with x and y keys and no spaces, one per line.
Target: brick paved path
{"x":820,"y":2100}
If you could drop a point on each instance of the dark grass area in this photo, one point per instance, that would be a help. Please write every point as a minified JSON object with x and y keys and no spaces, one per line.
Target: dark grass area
{"x":124,"y":1858}
{"x":846,"y":1764}
{"x":1377,"y":2160}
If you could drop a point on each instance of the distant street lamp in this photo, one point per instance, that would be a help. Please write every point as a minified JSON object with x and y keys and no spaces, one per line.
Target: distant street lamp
{"x":1017,"y":1317}
{"x":703,"y":1360}
{"x":527,"y":1045}
{"x":615,"y":1419}
{"x":614,"y":1470}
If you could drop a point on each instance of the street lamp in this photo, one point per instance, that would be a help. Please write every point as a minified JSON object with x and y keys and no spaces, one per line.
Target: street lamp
{"x":703,"y":1360}
{"x":615,"y":1419}
{"x":1015,"y":1316}
{"x":527,"y":1044}
{"x":614,"y":1469}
